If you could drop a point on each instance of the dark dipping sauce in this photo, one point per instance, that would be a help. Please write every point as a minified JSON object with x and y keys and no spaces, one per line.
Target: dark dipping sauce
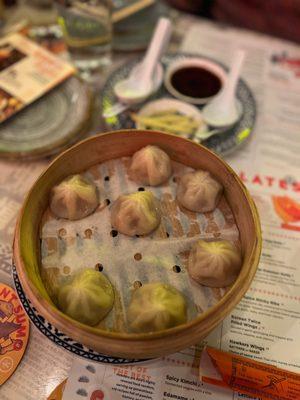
{"x":195,"y":82}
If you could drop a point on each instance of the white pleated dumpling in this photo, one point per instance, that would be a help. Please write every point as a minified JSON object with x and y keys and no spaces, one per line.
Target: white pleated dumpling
{"x":150,"y":166}
{"x":198,"y":191}
{"x":136,"y":213}
{"x":214,"y":263}
{"x":155,"y":307}
{"x":74,"y":198}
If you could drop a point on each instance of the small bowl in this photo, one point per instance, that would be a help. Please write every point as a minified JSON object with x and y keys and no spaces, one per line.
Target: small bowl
{"x":193,"y":62}
{"x":157,"y":81}
{"x":167,"y":104}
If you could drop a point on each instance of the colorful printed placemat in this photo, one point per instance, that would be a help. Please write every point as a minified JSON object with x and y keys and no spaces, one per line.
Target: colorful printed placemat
{"x":14,"y":332}
{"x":248,"y":376}
{"x":27,"y":71}
{"x":58,"y":391}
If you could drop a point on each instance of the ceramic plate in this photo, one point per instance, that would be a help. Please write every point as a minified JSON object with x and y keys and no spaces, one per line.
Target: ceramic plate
{"x":223,"y":144}
{"x":48,"y":124}
{"x":59,"y":338}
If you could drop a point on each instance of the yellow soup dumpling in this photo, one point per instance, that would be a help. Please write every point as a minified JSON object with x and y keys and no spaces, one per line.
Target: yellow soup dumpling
{"x":74,"y":198}
{"x":198,"y":191}
{"x":155,"y":307}
{"x":136,"y":213}
{"x":214,"y":263}
{"x":87,"y":297}
{"x":150,"y":166}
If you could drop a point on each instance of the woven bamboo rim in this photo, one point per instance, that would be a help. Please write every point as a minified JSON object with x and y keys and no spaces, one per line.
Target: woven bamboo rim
{"x":113,"y":145}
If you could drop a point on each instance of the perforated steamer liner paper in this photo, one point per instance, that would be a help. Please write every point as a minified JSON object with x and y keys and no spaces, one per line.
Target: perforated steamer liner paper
{"x":68,"y":246}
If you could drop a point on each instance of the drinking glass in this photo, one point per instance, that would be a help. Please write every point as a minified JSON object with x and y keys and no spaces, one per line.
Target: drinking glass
{"x":87,"y":29}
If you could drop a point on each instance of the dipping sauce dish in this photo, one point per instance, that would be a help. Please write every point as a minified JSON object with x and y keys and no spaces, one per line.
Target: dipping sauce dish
{"x":194,"y":80}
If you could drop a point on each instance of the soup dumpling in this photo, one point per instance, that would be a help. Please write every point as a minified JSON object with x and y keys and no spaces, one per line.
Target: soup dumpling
{"x":136,"y":213}
{"x":214,"y":263}
{"x":198,"y":191}
{"x":74,"y":198}
{"x":87,"y":297}
{"x":150,"y":166}
{"x":155,"y":307}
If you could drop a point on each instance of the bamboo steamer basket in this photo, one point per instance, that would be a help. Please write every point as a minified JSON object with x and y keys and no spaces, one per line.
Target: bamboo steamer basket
{"x":117,"y":144}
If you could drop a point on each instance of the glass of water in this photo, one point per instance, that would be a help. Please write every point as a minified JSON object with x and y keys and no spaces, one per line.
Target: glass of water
{"x":87,"y":29}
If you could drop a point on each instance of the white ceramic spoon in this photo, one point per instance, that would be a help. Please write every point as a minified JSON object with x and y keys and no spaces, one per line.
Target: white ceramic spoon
{"x":139,"y":85}
{"x":118,"y":107}
{"x":202,"y":135}
{"x":225,"y":109}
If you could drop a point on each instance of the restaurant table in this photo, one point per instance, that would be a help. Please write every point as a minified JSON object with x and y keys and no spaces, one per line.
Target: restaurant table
{"x":44,"y":364}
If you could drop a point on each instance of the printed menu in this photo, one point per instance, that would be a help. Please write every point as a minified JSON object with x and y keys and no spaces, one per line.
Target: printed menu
{"x":265,"y":325}
{"x":27,"y":71}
